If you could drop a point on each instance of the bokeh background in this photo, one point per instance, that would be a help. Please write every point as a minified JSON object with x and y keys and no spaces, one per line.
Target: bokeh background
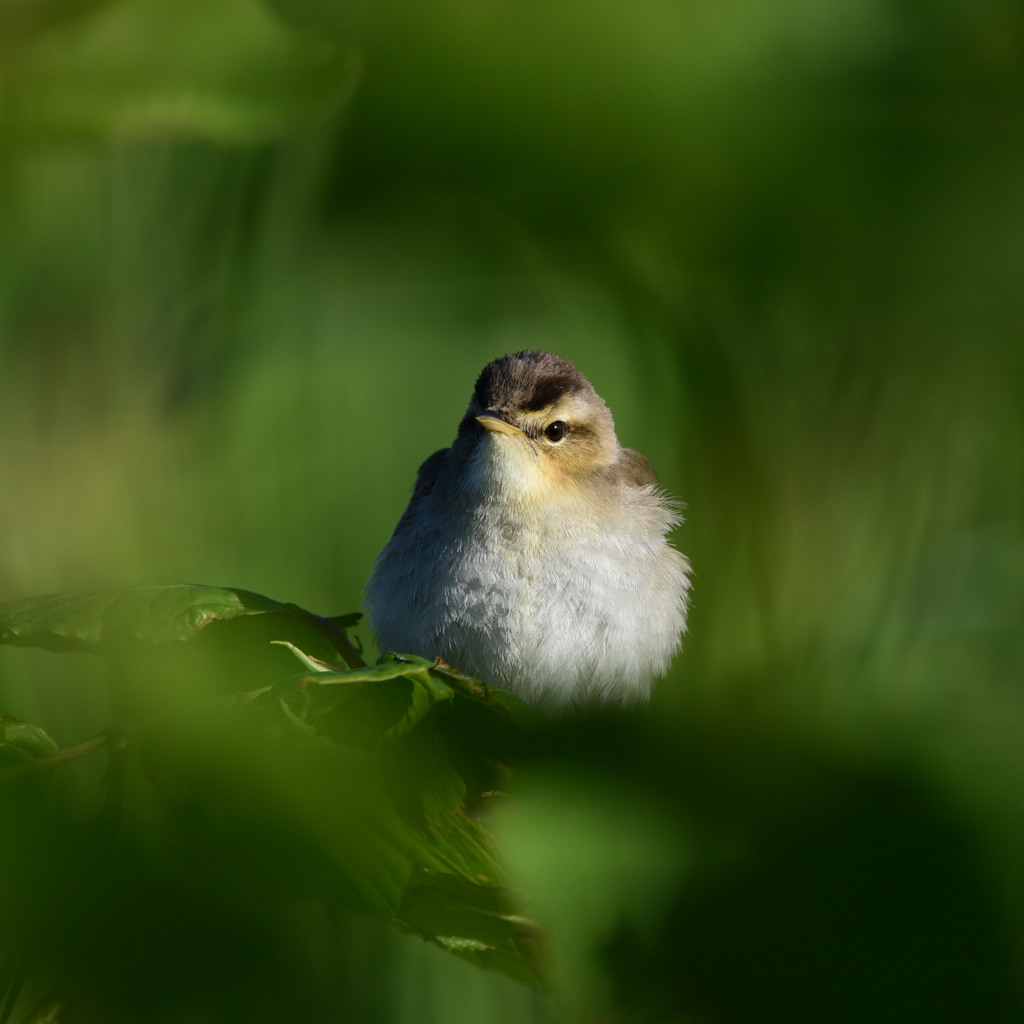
{"x":253,"y":254}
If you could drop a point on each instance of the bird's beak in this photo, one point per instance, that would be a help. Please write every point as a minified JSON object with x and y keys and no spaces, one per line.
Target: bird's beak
{"x":497,"y":423}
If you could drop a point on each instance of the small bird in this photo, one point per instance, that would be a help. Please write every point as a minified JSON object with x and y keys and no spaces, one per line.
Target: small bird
{"x":534,"y":553}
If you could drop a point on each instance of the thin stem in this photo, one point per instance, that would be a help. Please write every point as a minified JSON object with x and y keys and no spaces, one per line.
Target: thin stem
{"x":339,"y":639}
{"x":67,"y":754}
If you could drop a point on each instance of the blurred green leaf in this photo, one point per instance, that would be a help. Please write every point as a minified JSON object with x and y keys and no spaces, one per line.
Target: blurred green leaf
{"x":23,"y":741}
{"x":276,"y":761}
{"x":23,"y":746}
{"x":482,"y":924}
{"x":361,"y":805}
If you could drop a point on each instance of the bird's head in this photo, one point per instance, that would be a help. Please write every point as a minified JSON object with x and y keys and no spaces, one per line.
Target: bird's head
{"x":535,"y":426}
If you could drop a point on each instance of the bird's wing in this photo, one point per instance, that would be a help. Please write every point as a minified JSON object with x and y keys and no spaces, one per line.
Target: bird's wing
{"x":426,"y":477}
{"x":636,"y":469}
{"x":425,"y":480}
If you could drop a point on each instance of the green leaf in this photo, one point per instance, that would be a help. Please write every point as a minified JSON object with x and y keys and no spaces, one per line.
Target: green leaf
{"x":390,"y":699}
{"x":103,"y":620}
{"x":367,"y":797}
{"x":480,"y":923}
{"x":21,"y":744}
{"x":376,"y":828}
{"x":90,"y":618}
{"x":23,"y":741}
{"x":350,"y":786}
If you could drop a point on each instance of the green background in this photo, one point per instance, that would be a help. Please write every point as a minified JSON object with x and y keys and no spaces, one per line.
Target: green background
{"x":252,"y":257}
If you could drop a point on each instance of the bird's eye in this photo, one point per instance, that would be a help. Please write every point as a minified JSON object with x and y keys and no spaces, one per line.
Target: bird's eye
{"x":555,"y":431}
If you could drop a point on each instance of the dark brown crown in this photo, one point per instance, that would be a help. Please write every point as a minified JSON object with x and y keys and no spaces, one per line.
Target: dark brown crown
{"x":527,"y":381}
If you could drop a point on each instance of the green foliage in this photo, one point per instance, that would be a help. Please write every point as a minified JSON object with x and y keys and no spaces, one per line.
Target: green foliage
{"x":252,"y":256}
{"x":97,"y":618}
{"x":328,"y":786}
{"x":23,"y":743}
{"x":25,"y":754}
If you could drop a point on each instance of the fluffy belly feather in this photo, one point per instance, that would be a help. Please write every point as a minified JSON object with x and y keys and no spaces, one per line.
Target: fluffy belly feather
{"x":557,"y":623}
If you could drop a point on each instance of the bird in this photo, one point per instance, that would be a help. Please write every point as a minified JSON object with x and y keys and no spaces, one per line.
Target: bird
{"x":534,"y":553}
